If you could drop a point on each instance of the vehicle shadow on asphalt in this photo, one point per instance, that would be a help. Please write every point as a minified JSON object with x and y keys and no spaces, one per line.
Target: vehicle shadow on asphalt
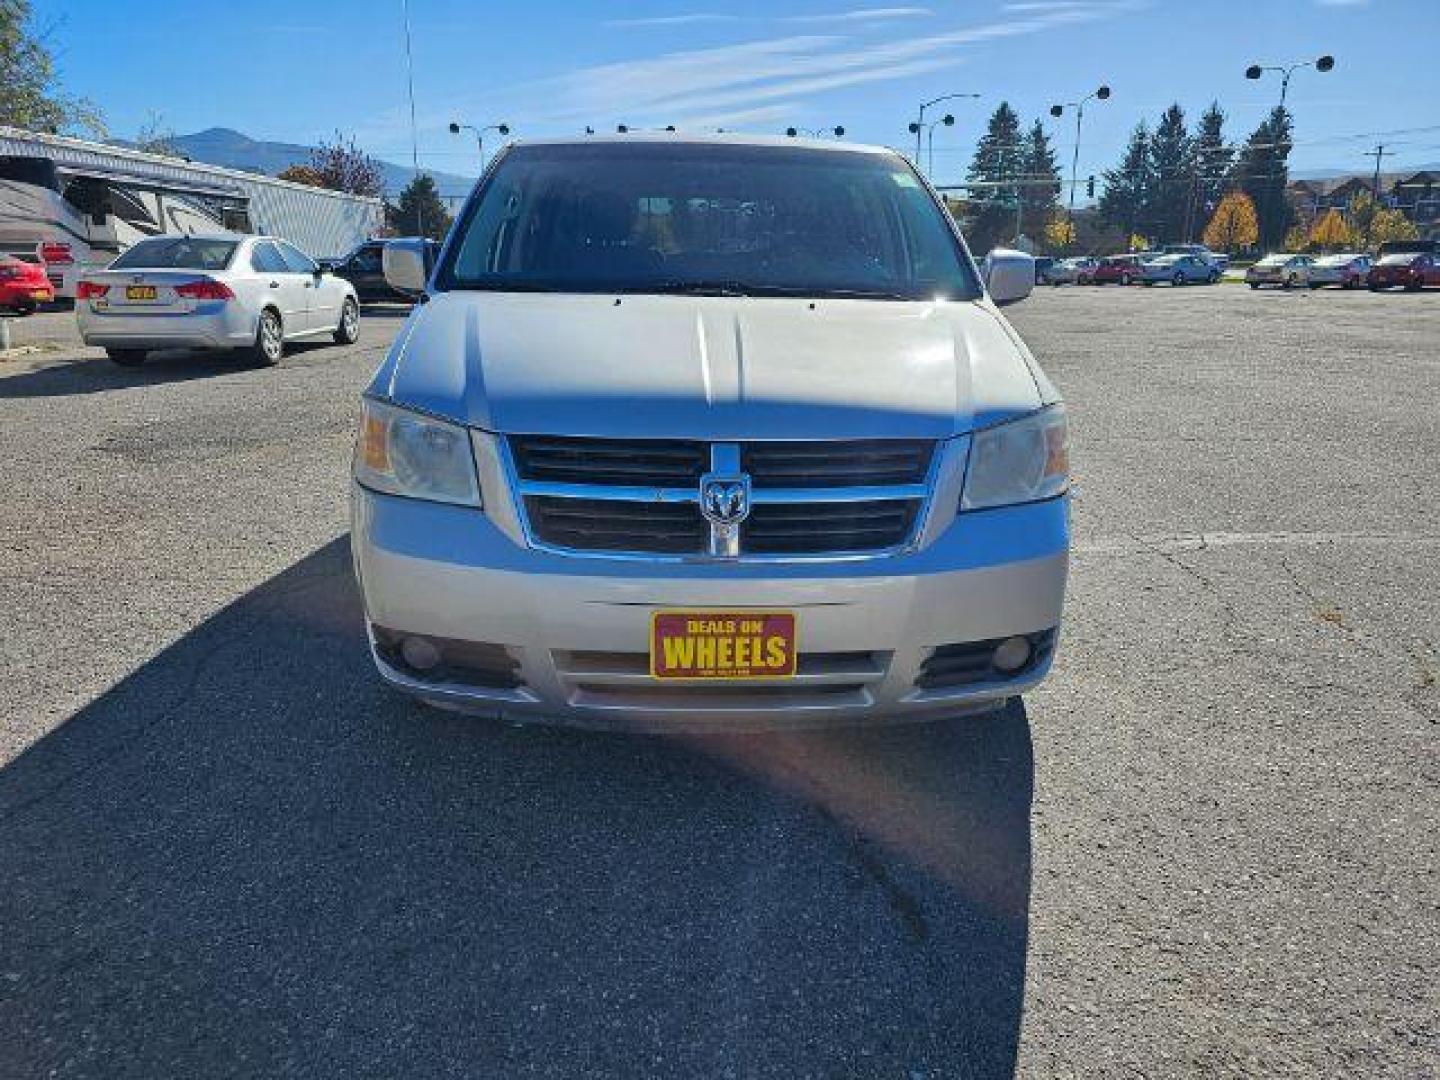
{"x":98,"y":375}
{"x":248,"y":857}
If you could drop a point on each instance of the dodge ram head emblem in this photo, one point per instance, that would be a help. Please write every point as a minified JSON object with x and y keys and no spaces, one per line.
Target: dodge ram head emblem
{"x":725,"y":500}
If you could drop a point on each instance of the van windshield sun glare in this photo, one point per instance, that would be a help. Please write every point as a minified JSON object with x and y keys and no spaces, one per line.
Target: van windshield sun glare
{"x":702,"y":220}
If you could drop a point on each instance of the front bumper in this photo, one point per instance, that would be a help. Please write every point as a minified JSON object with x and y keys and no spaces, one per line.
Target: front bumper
{"x":212,"y":324}
{"x":577,"y":628}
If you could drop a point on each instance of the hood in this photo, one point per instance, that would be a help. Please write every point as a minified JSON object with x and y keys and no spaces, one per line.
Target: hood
{"x":715,"y":368}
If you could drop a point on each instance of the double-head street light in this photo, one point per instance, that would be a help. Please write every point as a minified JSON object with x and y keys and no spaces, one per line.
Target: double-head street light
{"x":816,"y":133}
{"x":456,"y":127}
{"x":918,"y":127}
{"x":949,"y":121}
{"x":1255,"y":71}
{"x":1100,"y":93}
{"x":1321,"y":63}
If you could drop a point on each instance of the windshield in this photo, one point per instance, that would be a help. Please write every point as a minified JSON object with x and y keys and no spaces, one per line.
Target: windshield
{"x":704,"y":218}
{"x":1275,"y":260}
{"x":177,"y":253}
{"x":1336,"y":260}
{"x":1400,"y":258}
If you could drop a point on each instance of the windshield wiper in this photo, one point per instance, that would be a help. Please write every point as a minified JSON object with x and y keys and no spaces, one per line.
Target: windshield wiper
{"x":725,"y":287}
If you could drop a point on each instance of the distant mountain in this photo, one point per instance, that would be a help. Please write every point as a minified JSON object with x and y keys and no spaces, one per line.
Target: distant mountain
{"x":236,"y":150}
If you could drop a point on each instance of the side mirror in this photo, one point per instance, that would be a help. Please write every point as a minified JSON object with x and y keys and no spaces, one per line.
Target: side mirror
{"x":1009,"y":275}
{"x":405,"y":265}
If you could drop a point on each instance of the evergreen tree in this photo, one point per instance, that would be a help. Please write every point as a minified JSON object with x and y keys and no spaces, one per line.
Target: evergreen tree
{"x":1172,"y":166}
{"x":1213,"y":156}
{"x":998,"y":160}
{"x":1127,"y":186}
{"x":1262,"y":173}
{"x":1039,"y":195}
{"x":420,"y":211}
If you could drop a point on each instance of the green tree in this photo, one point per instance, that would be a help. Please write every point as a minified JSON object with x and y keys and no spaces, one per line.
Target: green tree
{"x":1172,"y":170}
{"x":1127,"y":186}
{"x":343,"y":166}
{"x":420,"y":211}
{"x":998,"y":161}
{"x":1262,"y":172}
{"x":1213,"y":157}
{"x":29,"y":93}
{"x":1042,"y":187}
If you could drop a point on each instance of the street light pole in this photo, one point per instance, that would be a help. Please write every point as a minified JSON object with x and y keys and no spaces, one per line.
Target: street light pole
{"x":456,"y":127}
{"x":949,"y":121}
{"x":918,"y":127}
{"x":1321,"y":64}
{"x":1100,"y":93}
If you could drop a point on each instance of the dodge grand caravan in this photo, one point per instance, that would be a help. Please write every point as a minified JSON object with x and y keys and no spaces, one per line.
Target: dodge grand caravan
{"x":707,"y":432}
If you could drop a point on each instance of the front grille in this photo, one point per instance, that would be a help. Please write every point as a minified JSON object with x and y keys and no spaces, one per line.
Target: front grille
{"x":969,"y":662}
{"x":808,"y":498}
{"x":790,"y":528}
{"x":830,"y":465}
{"x":617,"y":525}
{"x":612,"y":462}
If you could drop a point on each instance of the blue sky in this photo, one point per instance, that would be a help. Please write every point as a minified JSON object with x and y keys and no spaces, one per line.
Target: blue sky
{"x":297,"y":72}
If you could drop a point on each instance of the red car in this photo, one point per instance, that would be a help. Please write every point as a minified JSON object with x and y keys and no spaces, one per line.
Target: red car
{"x":1113,"y":270}
{"x":1408,"y":269}
{"x":23,"y":285}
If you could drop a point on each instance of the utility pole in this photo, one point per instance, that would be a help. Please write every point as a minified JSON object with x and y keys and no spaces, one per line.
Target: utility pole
{"x":414,"y":137}
{"x":1379,"y":153}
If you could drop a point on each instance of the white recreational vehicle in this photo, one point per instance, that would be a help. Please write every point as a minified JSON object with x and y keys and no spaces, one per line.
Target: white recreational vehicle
{"x":74,"y":205}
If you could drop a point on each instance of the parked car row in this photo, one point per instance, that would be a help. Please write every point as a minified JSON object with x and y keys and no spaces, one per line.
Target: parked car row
{"x":1143,"y":268}
{"x":1411,"y":270}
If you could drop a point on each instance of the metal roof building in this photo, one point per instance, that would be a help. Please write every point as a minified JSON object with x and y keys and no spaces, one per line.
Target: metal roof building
{"x":324,"y":223}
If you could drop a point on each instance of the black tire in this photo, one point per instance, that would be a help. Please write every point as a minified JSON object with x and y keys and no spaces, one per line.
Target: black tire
{"x":126,"y":357}
{"x":1314,"y":284}
{"x":1288,"y":283}
{"x":1374,"y":288}
{"x":1124,"y":279}
{"x":348,"y":330}
{"x":1178,"y":279}
{"x":269,"y":345}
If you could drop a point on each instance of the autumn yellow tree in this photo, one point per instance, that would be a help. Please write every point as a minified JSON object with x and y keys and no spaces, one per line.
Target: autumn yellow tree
{"x":1139,"y":243}
{"x":1372,"y":223}
{"x":302,"y":174}
{"x":1392,"y":225}
{"x":1059,"y":232}
{"x":1233,"y":225}
{"x":1296,"y":239}
{"x":1332,"y":232}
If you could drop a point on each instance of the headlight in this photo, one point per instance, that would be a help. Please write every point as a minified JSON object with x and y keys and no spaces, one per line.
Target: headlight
{"x":404,"y":453}
{"x":1022,"y":461}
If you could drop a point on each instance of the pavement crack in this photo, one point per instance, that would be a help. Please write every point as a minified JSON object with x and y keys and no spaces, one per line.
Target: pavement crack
{"x":1207,"y":585}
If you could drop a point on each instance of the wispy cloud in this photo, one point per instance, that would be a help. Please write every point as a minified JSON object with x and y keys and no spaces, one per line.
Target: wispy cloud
{"x":701,"y":83}
{"x":691,"y":19}
{"x":863,"y":15}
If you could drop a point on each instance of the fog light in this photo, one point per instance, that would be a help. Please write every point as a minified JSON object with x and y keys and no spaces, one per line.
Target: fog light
{"x":1011,"y":655}
{"x":420,"y":653}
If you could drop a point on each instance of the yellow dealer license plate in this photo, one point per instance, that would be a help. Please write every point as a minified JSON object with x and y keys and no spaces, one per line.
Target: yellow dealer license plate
{"x":139,"y":292}
{"x":722,"y":644}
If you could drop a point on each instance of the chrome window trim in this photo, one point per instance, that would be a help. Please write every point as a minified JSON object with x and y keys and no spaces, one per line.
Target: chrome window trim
{"x":924,"y":493}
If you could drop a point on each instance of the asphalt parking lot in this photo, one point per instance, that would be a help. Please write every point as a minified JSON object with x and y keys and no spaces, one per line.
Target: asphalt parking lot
{"x":1206,"y":847}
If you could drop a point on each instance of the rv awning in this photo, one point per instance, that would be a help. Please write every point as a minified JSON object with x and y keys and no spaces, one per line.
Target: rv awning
{"x":217,"y":190}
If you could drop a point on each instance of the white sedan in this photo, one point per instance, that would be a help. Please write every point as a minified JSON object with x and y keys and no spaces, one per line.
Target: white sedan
{"x":222,"y":291}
